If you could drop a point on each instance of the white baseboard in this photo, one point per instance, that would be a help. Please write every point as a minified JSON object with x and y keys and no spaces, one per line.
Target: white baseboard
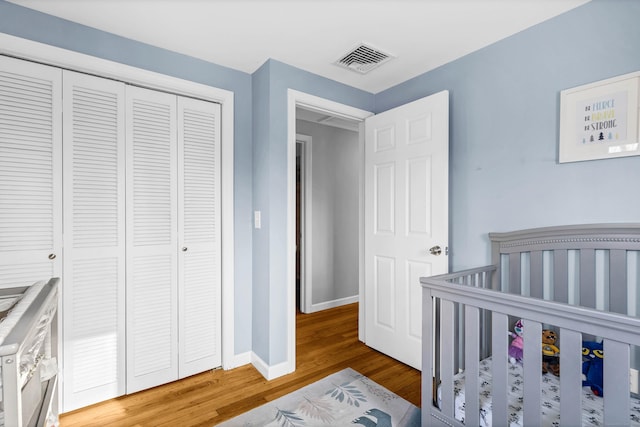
{"x":271,"y":372}
{"x":267,"y":371}
{"x":238,"y":360}
{"x":332,"y":304}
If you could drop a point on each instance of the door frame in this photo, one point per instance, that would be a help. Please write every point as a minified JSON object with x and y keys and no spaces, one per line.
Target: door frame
{"x":63,"y":58}
{"x":311,"y":102}
{"x":306,"y":215}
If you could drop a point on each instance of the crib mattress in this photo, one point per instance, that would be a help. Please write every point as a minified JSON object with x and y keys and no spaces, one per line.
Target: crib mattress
{"x":592,"y":406}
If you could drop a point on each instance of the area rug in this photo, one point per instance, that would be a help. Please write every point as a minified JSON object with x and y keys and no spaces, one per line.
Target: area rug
{"x":341,"y":399}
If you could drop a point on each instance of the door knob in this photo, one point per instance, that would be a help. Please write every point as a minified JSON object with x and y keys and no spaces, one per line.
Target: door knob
{"x":435,"y":250}
{"x":184,"y":249}
{"x":52,"y":256}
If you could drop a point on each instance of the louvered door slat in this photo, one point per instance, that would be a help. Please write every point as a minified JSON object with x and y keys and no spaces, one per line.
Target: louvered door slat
{"x":93,"y":351}
{"x":30,"y":172}
{"x":152,"y":340}
{"x":22,"y":273}
{"x":93,"y":306}
{"x":199,"y":231}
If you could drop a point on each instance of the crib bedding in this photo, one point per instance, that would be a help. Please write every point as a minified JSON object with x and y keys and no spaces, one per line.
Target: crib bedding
{"x":592,"y":406}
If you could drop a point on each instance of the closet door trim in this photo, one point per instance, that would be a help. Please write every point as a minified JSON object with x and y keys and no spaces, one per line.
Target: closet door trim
{"x":51,"y":55}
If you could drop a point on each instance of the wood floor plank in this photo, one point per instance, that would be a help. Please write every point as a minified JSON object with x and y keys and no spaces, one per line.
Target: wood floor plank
{"x":326,"y":342}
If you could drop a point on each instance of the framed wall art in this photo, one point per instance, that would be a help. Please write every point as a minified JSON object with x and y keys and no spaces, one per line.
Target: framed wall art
{"x":600,"y":120}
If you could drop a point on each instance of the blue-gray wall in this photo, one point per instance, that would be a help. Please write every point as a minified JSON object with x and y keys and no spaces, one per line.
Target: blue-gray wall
{"x":504,"y":109}
{"x":270,"y":88}
{"x":504,"y":106}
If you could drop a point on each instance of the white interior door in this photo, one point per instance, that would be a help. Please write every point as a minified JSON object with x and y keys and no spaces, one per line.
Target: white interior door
{"x":30,"y":172}
{"x":406,"y":214}
{"x":199,"y":259}
{"x":94,"y":240}
{"x":152,"y":335}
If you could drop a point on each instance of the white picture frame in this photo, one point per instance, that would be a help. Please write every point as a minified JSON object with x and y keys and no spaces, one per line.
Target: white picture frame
{"x":600,"y":120}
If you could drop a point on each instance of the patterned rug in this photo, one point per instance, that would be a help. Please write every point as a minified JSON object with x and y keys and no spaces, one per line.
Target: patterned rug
{"x":342,"y":399}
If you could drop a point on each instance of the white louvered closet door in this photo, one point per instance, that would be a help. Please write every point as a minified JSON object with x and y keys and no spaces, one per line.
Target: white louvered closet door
{"x":199,"y":234}
{"x":152,"y":335}
{"x":30,"y":172}
{"x":94,"y":262}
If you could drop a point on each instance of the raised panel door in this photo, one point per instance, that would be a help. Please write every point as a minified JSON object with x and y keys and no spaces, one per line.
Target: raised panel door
{"x":406,"y":214}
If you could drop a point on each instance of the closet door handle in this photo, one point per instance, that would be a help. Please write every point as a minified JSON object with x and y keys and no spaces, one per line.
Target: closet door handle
{"x":52,"y":256}
{"x":184,"y":249}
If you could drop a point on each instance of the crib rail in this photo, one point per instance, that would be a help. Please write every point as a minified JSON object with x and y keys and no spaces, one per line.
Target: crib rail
{"x":478,"y":277}
{"x":449,"y":300}
{"x":591,"y":265}
{"x":481,"y":277}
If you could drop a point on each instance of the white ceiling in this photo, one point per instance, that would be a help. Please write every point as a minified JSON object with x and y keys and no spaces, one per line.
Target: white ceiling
{"x":313,"y":34}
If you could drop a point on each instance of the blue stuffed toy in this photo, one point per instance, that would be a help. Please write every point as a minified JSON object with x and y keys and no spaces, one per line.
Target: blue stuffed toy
{"x":592,"y":366}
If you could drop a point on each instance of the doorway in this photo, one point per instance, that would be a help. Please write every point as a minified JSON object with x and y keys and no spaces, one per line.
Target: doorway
{"x":328,"y":167}
{"x":422,"y":124}
{"x":305,"y":101}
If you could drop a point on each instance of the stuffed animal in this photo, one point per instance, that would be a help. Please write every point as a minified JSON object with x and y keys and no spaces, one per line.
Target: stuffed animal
{"x":550,"y":353}
{"x":592,"y":366}
{"x":515,"y":348}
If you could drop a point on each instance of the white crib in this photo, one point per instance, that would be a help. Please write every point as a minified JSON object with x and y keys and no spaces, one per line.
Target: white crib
{"x":28,"y":349}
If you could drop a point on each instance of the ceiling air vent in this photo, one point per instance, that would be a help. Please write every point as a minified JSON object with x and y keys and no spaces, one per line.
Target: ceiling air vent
{"x":363,"y":59}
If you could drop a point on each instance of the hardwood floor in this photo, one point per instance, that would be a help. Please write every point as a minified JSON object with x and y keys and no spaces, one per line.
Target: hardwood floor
{"x":327,"y":342}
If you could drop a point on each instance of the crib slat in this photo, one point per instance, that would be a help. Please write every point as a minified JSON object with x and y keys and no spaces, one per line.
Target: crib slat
{"x":514,"y":273}
{"x":459,"y":339}
{"x":588,"y":278}
{"x":633,"y":284}
{"x":500,"y":342}
{"x":616,"y":383}
{"x":447,"y":354}
{"x":571,"y":377}
{"x":535,"y":286}
{"x":532,"y":365}
{"x":618,"y":281}
{"x":472,"y":363}
{"x":560,"y":276}
{"x":485,"y":334}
